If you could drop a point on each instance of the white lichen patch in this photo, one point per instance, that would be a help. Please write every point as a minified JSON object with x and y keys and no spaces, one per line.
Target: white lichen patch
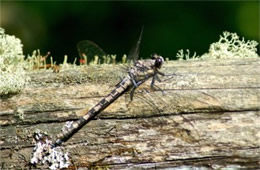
{"x":228,"y":46}
{"x":45,"y":153}
{"x":12,"y":74}
{"x":10,"y":49}
{"x":231,"y":46}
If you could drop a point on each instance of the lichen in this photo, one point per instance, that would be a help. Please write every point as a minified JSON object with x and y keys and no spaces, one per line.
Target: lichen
{"x":12,"y":74}
{"x":228,"y":46}
{"x":19,"y":113}
{"x":44,"y":153}
{"x":186,"y":56}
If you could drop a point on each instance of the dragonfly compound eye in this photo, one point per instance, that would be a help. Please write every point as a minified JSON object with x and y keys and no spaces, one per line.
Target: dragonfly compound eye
{"x":159,"y":62}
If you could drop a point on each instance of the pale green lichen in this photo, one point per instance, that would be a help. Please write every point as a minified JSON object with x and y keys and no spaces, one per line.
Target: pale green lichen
{"x":19,"y":113}
{"x":186,"y":56}
{"x":37,"y":61}
{"x":12,"y":74}
{"x":124,"y":59}
{"x":105,"y":59}
{"x":10,"y":50}
{"x":228,"y":46}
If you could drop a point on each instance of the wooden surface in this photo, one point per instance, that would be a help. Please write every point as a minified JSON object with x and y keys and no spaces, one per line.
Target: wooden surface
{"x":207,"y":117}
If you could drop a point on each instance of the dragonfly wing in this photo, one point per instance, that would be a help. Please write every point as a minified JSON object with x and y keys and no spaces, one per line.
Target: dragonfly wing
{"x":89,"y":49}
{"x":134,"y":52}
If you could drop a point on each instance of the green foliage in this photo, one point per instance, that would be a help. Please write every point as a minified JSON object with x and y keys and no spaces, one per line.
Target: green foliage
{"x":12,"y":74}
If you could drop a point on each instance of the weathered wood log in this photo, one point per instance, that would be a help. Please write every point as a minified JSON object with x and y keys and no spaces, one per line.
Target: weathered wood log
{"x":207,"y":117}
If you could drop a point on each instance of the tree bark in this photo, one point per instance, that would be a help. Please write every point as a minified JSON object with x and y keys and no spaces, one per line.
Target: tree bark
{"x":207,"y":116}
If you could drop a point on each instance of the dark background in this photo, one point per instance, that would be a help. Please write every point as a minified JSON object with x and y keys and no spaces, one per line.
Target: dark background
{"x":168,"y":26}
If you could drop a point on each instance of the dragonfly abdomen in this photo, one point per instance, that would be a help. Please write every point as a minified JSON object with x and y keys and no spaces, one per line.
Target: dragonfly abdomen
{"x":120,"y":89}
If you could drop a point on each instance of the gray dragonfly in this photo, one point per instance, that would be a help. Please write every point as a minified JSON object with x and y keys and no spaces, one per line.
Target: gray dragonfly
{"x":141,"y":71}
{"x":137,"y":74}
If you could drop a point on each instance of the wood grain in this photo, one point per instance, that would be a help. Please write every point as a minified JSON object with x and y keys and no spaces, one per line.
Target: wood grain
{"x":207,"y":117}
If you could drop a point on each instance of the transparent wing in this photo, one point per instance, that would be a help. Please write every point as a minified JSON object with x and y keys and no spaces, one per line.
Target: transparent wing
{"x":160,"y":104}
{"x":134,"y":52}
{"x":132,"y":57}
{"x":88,"y":49}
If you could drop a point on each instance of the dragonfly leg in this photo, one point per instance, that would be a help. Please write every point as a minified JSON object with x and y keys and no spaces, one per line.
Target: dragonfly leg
{"x":158,"y":88}
{"x":133,"y":80}
{"x":132,"y":93}
{"x":161,"y":73}
{"x":170,"y":76}
{"x":133,"y":89}
{"x":153,"y":85}
{"x":155,"y":77}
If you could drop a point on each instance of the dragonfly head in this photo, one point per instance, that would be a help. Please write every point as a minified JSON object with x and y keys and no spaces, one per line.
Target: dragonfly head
{"x":158,"y":60}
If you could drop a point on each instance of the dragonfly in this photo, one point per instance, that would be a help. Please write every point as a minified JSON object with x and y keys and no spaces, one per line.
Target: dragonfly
{"x":140,"y":72}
